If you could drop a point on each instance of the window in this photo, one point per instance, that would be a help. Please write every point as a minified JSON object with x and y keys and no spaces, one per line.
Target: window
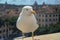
{"x":50,"y":19}
{"x":3,"y":30}
{"x":42,"y":20}
{"x":49,"y":15}
{"x":53,"y":19}
{"x":0,"y":31}
{"x":46,"y":20}
{"x":46,"y":15}
{"x":56,"y":19}
{"x":9,"y":28}
{"x":56,"y":15}
{"x":53,"y":15}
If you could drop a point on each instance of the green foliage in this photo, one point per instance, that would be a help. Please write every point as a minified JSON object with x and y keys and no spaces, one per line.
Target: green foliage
{"x":13,"y":20}
{"x":46,"y":30}
{"x":10,"y":21}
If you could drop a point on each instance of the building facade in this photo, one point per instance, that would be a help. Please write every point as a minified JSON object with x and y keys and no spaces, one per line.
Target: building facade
{"x":46,"y":15}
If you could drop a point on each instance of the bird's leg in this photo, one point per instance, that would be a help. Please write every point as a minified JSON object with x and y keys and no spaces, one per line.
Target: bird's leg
{"x":32,"y":35}
{"x":22,"y":36}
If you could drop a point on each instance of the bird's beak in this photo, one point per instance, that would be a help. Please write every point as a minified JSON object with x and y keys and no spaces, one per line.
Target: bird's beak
{"x":33,"y":12}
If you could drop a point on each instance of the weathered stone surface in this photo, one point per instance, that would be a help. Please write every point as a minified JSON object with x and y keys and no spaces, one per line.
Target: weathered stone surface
{"x":55,"y":36}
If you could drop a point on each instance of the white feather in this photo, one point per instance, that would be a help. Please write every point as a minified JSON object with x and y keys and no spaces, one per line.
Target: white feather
{"x":27,"y":23}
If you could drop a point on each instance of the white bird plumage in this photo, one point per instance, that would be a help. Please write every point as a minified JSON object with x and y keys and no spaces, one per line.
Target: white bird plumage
{"x":26,"y":21}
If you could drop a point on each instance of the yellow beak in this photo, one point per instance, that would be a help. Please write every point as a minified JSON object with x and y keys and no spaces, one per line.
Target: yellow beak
{"x":33,"y":12}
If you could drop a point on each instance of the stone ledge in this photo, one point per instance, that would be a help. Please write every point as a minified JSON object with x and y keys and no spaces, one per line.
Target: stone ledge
{"x":55,"y":36}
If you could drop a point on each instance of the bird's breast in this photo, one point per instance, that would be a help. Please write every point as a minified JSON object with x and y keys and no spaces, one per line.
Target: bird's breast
{"x":27,"y":23}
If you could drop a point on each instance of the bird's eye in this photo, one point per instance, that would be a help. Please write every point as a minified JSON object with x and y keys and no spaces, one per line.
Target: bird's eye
{"x":27,"y":9}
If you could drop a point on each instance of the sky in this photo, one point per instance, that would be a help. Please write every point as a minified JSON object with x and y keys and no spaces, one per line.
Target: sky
{"x":29,"y":2}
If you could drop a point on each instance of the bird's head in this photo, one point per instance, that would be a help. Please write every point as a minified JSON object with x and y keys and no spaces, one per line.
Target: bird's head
{"x":28,"y":10}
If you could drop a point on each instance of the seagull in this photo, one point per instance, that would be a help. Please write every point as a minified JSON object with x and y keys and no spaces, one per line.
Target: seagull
{"x":26,"y":21}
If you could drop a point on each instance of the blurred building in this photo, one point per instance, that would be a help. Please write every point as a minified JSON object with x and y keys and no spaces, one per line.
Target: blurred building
{"x":46,"y":15}
{"x":6,"y":31}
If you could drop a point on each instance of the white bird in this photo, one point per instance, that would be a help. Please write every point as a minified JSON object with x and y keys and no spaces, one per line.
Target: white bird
{"x":26,"y":21}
